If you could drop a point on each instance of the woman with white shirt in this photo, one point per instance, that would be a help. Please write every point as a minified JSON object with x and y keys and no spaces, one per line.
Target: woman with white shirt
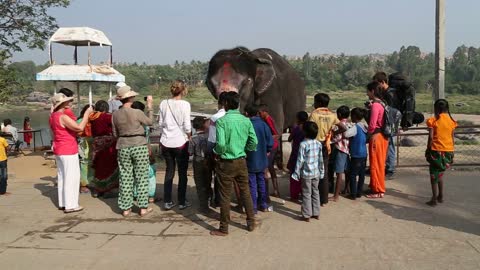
{"x":175,"y":128}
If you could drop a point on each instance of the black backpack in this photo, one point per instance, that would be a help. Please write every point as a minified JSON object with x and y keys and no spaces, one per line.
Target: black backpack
{"x":391,"y":120}
{"x":403,"y":98}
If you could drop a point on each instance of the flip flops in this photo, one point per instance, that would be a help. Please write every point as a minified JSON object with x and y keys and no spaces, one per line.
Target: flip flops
{"x":148,"y":211}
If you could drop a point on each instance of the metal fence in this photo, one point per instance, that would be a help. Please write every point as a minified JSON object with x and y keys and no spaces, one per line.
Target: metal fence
{"x":411,"y":147}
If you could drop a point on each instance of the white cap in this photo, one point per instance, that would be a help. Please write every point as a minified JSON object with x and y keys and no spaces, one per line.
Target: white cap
{"x":120,"y":84}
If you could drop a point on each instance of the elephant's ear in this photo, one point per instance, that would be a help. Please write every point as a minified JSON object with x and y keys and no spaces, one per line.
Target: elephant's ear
{"x":265,"y":75}
{"x":211,"y":87}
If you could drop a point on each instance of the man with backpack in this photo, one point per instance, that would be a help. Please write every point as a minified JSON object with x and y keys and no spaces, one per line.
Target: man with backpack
{"x":393,"y":108}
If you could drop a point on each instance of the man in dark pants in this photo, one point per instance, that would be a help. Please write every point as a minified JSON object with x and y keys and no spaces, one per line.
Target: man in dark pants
{"x":235,"y":135}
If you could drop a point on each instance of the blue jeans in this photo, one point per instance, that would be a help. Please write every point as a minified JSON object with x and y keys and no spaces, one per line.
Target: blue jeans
{"x":357,"y":167}
{"x":391,"y":154}
{"x":3,"y":177}
{"x":256,"y":181}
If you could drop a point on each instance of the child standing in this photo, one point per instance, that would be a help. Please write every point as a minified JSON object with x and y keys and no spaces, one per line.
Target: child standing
{"x":263,"y":112}
{"x":257,"y":161}
{"x":440,"y":147}
{"x":358,"y":153}
{"x":325,"y":119}
{"x":309,"y":170}
{"x":3,"y":167}
{"x":296,"y":137}
{"x":341,"y":152}
{"x":202,"y":172}
{"x":27,"y":136}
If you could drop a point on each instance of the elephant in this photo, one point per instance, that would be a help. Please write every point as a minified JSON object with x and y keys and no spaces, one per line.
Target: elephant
{"x":260,"y":76}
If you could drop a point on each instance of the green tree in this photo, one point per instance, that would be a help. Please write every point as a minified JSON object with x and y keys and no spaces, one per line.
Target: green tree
{"x":27,"y":22}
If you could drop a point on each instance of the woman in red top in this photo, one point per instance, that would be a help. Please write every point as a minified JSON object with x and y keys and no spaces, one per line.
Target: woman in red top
{"x":65,"y":148}
{"x":378,"y":143}
{"x":104,"y":159}
{"x":27,"y":136}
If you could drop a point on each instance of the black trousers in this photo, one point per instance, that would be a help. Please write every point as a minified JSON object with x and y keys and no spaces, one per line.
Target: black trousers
{"x":173,"y":157}
{"x":324,"y":184}
{"x":202,"y":174}
{"x":3,"y":176}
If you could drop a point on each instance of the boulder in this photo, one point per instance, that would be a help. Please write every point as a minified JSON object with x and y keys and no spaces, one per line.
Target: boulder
{"x":467,"y":137}
{"x":408,"y":142}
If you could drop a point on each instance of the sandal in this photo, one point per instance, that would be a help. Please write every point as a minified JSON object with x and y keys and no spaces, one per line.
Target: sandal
{"x":375,"y":196}
{"x":147,"y":211}
{"x":74,"y":210}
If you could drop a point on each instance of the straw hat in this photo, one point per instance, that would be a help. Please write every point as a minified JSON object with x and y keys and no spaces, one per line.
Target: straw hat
{"x":59,"y":99}
{"x":125,"y":92}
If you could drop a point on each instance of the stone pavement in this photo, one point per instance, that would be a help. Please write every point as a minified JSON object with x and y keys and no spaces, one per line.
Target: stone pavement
{"x":397,"y":232}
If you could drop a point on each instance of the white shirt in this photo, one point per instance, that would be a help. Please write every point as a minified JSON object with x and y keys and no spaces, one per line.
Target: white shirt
{"x":12,"y":130}
{"x":174,"y":122}
{"x":114,"y":105}
{"x":212,"y":130}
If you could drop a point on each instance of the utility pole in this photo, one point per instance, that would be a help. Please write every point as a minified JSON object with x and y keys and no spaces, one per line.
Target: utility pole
{"x":439,"y":91}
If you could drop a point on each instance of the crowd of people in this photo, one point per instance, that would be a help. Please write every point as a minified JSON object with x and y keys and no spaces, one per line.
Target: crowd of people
{"x":103,"y":149}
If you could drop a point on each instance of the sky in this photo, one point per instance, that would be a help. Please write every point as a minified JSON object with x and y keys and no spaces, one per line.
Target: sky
{"x":160,"y":32}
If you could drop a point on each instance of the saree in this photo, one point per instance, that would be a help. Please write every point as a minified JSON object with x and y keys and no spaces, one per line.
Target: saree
{"x":104,"y":154}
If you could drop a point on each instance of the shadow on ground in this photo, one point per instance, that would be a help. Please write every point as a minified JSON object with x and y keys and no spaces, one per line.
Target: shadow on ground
{"x":428,"y":217}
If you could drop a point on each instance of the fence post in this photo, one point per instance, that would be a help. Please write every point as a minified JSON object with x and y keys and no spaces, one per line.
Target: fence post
{"x":398,"y":148}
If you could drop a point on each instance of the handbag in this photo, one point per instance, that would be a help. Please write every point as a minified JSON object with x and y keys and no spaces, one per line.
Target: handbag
{"x":175,"y":119}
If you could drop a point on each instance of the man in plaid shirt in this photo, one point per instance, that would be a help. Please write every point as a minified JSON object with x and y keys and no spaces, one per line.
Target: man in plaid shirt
{"x":309,"y":170}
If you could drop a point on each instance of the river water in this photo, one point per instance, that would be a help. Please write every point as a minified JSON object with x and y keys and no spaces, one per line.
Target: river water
{"x":38,"y":120}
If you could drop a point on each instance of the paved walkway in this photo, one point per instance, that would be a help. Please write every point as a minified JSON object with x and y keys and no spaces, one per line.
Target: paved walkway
{"x":398,"y":232}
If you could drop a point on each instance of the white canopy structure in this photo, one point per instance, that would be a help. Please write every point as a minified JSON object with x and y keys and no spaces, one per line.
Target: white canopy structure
{"x":81,"y":36}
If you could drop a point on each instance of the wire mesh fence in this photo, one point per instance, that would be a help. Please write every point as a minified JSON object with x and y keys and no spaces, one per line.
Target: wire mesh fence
{"x":411,"y":147}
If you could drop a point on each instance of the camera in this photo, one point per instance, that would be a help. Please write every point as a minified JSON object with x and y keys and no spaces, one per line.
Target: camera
{"x":145,"y":98}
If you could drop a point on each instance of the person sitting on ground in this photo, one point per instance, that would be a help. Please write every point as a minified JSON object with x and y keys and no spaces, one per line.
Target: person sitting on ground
{"x":235,"y":135}
{"x":296,"y":137}
{"x":202,"y":171}
{"x":309,"y":171}
{"x":257,"y":161}
{"x":8,"y":128}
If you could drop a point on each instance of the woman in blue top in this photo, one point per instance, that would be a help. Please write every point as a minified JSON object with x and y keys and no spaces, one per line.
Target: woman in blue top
{"x":358,"y":153}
